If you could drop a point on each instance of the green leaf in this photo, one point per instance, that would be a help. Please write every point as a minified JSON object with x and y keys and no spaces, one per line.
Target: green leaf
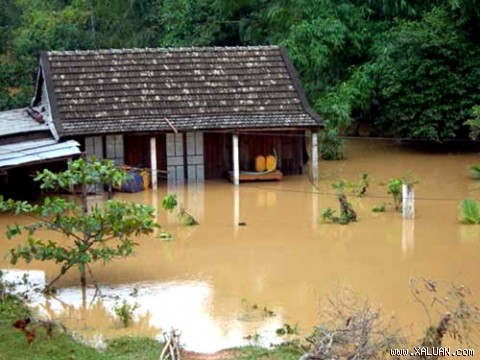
{"x":470,"y":213}
{"x":475,"y":172}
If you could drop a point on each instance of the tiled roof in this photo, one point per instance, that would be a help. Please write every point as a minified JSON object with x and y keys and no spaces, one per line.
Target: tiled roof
{"x":114,"y":91}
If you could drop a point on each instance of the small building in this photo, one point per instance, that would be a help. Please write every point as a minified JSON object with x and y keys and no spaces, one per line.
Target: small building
{"x":194,"y":112}
{"x":27,"y":142}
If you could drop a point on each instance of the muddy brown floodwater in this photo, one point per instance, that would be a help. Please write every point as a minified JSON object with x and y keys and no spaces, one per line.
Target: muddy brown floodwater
{"x":209,"y":279}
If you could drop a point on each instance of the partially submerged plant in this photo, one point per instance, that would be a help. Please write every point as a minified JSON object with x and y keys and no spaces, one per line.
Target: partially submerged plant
{"x":331,"y":146}
{"x":170,"y":203}
{"x":347,"y":214}
{"x":125,"y":312}
{"x":96,"y":233}
{"x":379,"y":208}
{"x":475,"y":172}
{"x":394,"y":188}
{"x":358,"y":189}
{"x":469,"y":212}
{"x":362,"y":185}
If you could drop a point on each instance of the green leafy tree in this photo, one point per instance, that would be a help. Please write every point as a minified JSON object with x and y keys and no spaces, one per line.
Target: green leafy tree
{"x":474,"y":123}
{"x":427,"y":74}
{"x":96,"y":233}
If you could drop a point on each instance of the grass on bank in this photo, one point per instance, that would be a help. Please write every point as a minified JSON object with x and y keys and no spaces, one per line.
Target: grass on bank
{"x":61,"y":346}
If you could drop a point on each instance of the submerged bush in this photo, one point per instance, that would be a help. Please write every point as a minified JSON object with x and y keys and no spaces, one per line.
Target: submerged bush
{"x":379,"y":208}
{"x":469,"y":212}
{"x":475,"y":172}
{"x":347,"y":214}
{"x":331,"y":146}
{"x":170,"y":202}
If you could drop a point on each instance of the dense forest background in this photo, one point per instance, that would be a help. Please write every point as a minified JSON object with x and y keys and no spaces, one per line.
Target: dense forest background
{"x":400,"y":68}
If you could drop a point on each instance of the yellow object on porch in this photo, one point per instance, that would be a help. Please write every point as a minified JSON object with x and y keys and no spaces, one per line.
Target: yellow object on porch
{"x":145,"y":173}
{"x":260,"y":163}
{"x":271,"y":163}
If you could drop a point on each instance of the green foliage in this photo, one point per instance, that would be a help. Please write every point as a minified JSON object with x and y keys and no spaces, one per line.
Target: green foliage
{"x":347,"y":214}
{"x":341,"y":186}
{"x":362,"y":185}
{"x":379,"y":208}
{"x":169,"y":203}
{"x":83,"y":172}
{"x":394,"y":188}
{"x":328,"y":215}
{"x":99,"y":233}
{"x":359,"y":189}
{"x":410,"y":69}
{"x":125,"y":312}
{"x":331,"y":146}
{"x":475,"y":172}
{"x":424,"y":78}
{"x":474,"y":123}
{"x":469,"y":212}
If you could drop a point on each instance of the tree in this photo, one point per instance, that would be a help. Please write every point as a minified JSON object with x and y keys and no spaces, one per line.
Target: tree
{"x":96,"y":233}
{"x":426,"y":74}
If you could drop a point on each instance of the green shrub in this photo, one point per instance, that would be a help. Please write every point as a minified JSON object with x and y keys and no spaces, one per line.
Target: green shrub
{"x":475,"y":172}
{"x":469,"y":212}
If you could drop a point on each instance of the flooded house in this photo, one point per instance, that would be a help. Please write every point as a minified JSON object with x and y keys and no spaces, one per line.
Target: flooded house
{"x":194,"y":113}
{"x":28,"y":141}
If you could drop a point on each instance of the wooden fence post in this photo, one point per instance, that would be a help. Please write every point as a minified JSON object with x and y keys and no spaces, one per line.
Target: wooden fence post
{"x":236,"y":160}
{"x":153,"y":161}
{"x":408,"y":201}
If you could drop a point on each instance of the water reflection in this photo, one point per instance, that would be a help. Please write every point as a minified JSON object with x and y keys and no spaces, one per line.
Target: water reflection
{"x":408,"y":236}
{"x":285,"y":259}
{"x":184,"y":305}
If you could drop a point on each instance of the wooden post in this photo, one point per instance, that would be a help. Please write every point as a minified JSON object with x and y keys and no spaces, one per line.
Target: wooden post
{"x":236,"y":161}
{"x":153,"y":161}
{"x":408,"y":201}
{"x":315,"y":157}
{"x":236,"y":208}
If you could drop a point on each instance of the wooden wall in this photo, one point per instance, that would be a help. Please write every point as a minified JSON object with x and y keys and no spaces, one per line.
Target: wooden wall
{"x":218,"y":151}
{"x":137,"y":151}
{"x":218,"y":154}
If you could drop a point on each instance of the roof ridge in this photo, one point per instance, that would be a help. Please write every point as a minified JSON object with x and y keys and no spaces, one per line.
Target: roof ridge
{"x":167,"y":49}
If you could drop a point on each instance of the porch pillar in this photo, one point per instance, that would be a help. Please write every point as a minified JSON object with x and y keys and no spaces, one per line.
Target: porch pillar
{"x":236,"y":208}
{"x":153,"y":161}
{"x":315,"y":157}
{"x":236,"y":161}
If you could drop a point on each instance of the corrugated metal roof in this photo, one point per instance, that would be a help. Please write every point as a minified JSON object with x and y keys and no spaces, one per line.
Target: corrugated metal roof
{"x":35,"y":151}
{"x":17,"y":121}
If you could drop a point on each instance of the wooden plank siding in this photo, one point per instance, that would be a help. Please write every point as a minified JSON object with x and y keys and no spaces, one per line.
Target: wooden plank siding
{"x":218,"y":152}
{"x":137,"y":151}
